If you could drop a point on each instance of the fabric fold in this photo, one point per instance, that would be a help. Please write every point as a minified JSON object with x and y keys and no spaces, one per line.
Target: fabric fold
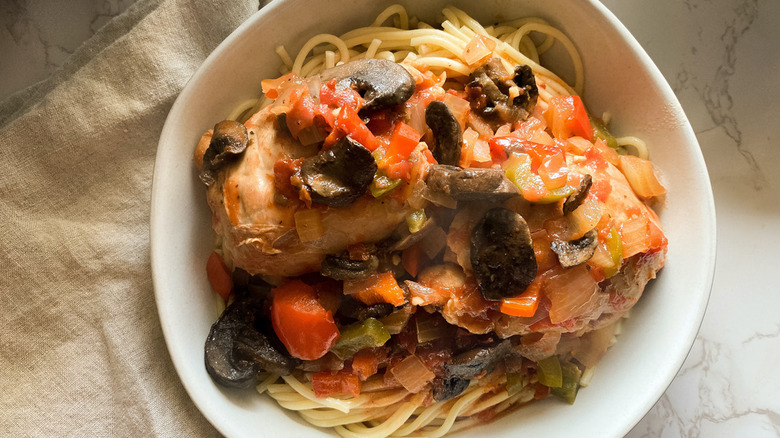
{"x":80,"y":341}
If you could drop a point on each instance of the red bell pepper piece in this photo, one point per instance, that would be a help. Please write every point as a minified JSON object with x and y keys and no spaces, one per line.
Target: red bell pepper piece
{"x":219,"y":275}
{"x":326,"y":383}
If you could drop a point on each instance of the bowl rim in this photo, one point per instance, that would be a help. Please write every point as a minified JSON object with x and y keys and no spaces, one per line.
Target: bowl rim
{"x":157,"y":221}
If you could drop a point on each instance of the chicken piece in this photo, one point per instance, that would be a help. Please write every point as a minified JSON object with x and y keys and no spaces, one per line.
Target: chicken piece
{"x":610,"y":299}
{"x":259,"y":234}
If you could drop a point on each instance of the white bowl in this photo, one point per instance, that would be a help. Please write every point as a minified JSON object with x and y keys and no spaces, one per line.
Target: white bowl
{"x":619,"y":78}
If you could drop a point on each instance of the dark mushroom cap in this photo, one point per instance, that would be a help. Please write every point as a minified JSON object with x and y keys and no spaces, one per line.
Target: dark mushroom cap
{"x":380,"y":82}
{"x":341,"y":267}
{"x":575,"y":252}
{"x":448,"y":387}
{"x":482,"y":359}
{"x":475,"y":184}
{"x":446,"y":133}
{"x":339,"y":175}
{"x":502,"y":254}
{"x":229,"y":140}
{"x":351,"y":308}
{"x":575,"y":199}
{"x":236,"y":351}
{"x":489,"y":89}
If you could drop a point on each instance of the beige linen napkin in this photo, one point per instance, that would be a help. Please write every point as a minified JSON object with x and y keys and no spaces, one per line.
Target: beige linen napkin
{"x":81,"y":349}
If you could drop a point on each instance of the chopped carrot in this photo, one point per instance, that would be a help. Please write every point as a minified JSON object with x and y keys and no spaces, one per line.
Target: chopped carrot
{"x":304,"y":326}
{"x":524,"y":304}
{"x":219,"y":275}
{"x":378,"y":288}
{"x":365,"y":364}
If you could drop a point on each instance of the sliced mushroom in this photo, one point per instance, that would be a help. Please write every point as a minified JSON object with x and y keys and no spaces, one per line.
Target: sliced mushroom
{"x":446,"y":132}
{"x":575,"y":199}
{"x":502,"y":254}
{"x":229,"y":140}
{"x":498,"y":98}
{"x":236,"y":351}
{"x":253,"y":345}
{"x":353,"y":309}
{"x":380,"y":82}
{"x":474,"y":362}
{"x":476,"y":184}
{"x":575,"y":252}
{"x":342,"y":267}
{"x":339,"y":175}
{"x":447,"y":388}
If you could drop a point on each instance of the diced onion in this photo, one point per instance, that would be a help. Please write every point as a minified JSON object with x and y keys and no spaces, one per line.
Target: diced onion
{"x":396,"y":321}
{"x":571,"y":293}
{"x":479,"y":48}
{"x":417,"y":115}
{"x":578,"y":145}
{"x":476,"y":123}
{"x":458,"y":107}
{"x":412,"y":374}
{"x":634,"y":236}
{"x":641,"y":177}
{"x":577,"y":223}
{"x":308,"y":223}
{"x":481,"y":151}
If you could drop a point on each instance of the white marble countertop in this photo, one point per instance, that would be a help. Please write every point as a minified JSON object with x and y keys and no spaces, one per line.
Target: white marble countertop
{"x":722,"y":59}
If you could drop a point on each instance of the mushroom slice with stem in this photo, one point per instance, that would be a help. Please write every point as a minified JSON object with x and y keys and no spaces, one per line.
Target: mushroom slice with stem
{"x":575,"y":199}
{"x":236,"y":351}
{"x":380,"y":82}
{"x":475,"y":184}
{"x":502,"y":254}
{"x":500,"y":99}
{"x":229,"y":140}
{"x":482,"y":359}
{"x":339,"y":175}
{"x":446,"y":132}
{"x":575,"y":252}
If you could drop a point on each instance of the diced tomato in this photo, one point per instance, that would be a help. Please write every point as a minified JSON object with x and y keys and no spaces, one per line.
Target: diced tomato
{"x":338,"y":98}
{"x":399,"y":169}
{"x":272,"y":87}
{"x":301,"y":322}
{"x":219,"y":275}
{"x":548,"y":162}
{"x":410,"y":258}
{"x":524,"y":304}
{"x":284,"y":169}
{"x":383,"y":121}
{"x":600,"y":189}
{"x":365,"y":364}
{"x":349,"y":123}
{"x":301,"y":115}
{"x":403,"y":140}
{"x":326,"y":383}
{"x":595,"y":160}
{"x":566,"y":116}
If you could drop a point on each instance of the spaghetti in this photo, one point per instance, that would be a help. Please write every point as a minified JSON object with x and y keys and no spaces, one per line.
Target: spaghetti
{"x":385,"y":407}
